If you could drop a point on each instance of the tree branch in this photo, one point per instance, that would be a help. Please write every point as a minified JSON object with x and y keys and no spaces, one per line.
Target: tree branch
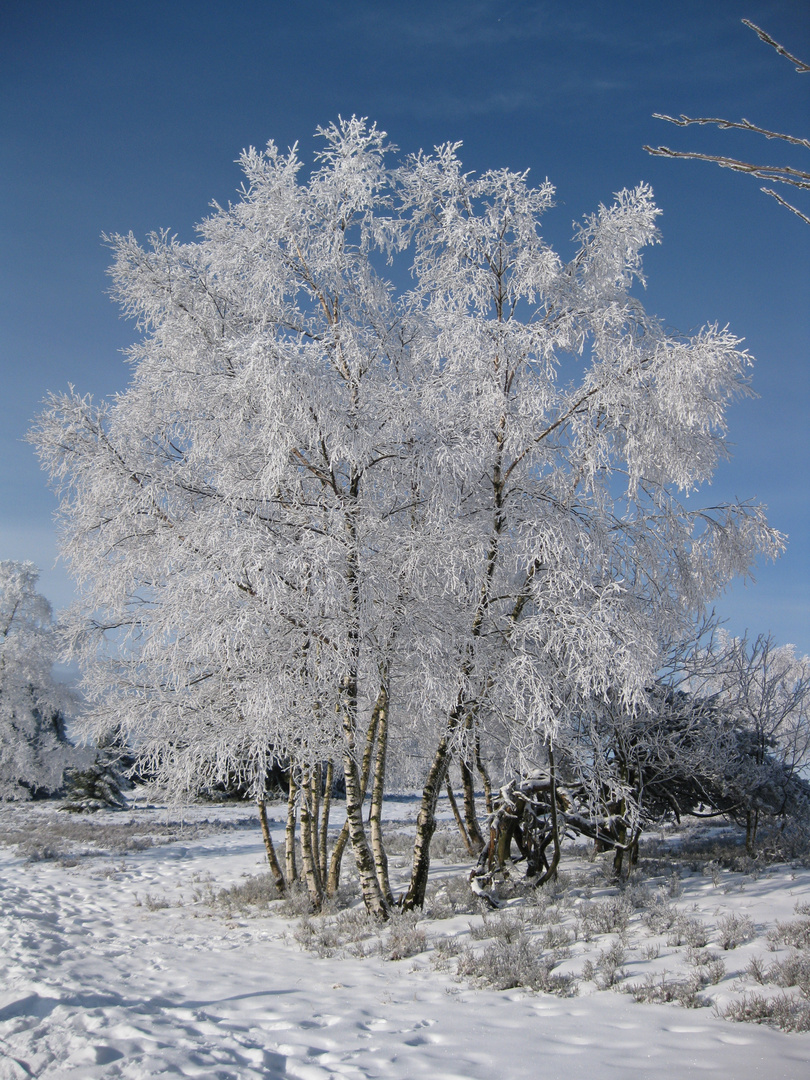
{"x":763,"y":36}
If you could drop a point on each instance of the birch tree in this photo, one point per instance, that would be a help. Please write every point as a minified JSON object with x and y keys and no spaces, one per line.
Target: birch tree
{"x":325,"y":508}
{"x":568,"y":426}
{"x":228,"y":515}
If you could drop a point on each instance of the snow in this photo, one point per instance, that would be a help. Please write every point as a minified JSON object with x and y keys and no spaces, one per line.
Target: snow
{"x":99,"y":979}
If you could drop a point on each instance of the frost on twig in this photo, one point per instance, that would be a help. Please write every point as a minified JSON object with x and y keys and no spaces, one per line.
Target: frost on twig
{"x":781,"y":174}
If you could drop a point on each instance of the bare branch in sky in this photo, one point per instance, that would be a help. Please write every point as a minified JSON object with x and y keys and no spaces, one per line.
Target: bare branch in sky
{"x":781,"y":174}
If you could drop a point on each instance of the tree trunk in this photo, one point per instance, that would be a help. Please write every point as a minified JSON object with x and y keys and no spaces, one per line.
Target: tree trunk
{"x":314,"y":814}
{"x":621,"y":845}
{"x":355,"y":792}
{"x":555,"y":825}
{"x":372,"y":894}
{"x":325,"y":808}
{"x":457,"y":814}
{"x":482,"y":769}
{"x":426,"y":824}
{"x":308,"y":854}
{"x":333,"y":877}
{"x":426,"y":821}
{"x":275,"y":867}
{"x":634,"y":849}
{"x":751,"y":825}
{"x":340,"y":844}
{"x":377,"y":792}
{"x":470,"y":816}
{"x":289,"y":835}
{"x":503,"y":848}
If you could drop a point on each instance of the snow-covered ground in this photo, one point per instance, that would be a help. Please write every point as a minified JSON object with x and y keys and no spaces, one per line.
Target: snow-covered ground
{"x":123,"y":963}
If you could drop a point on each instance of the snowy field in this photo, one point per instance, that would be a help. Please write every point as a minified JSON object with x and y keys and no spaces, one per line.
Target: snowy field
{"x":123,"y":957}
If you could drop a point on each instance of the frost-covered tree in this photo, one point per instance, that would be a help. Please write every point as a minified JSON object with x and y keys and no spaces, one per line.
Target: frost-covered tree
{"x":96,"y":787}
{"x":568,"y":426}
{"x":323,"y":509}
{"x":764,"y":691}
{"x":722,"y":732}
{"x":233,"y":516}
{"x":34,"y":750}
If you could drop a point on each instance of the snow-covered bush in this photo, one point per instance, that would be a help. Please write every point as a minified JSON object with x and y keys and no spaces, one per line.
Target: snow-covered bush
{"x":96,"y":787}
{"x":34,"y":749}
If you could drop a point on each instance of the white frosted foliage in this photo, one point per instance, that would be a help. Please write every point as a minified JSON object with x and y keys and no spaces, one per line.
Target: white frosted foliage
{"x":473,"y":488}
{"x":33,"y":750}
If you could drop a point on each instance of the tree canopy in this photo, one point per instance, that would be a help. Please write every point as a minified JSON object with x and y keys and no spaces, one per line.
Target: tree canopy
{"x":469,"y":495}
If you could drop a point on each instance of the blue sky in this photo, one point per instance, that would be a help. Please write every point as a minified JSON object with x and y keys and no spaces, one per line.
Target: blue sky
{"x":118,"y":116}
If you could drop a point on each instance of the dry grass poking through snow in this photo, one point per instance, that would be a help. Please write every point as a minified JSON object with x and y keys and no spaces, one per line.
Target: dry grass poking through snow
{"x":698,"y":924}
{"x":693,"y":926}
{"x":40,"y":832}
